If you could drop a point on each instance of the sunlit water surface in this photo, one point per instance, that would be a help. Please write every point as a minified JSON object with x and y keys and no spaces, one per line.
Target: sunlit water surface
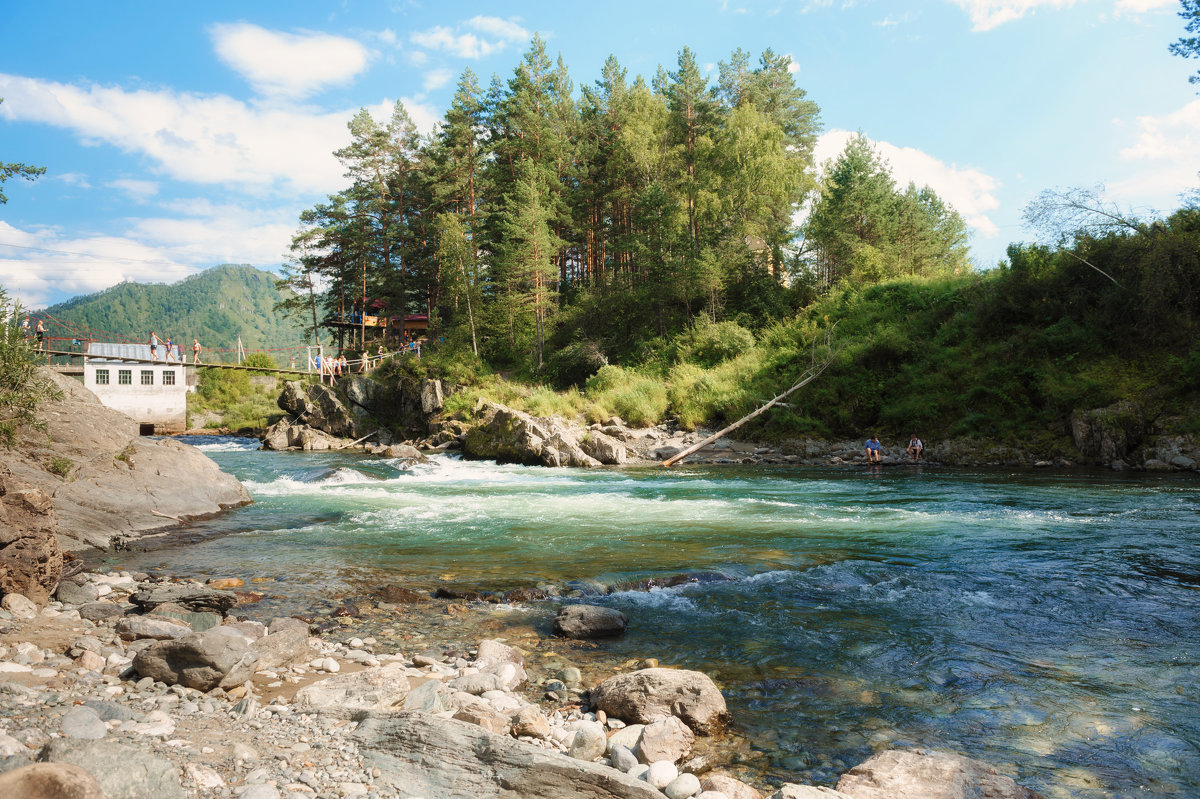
{"x":1045,"y":623}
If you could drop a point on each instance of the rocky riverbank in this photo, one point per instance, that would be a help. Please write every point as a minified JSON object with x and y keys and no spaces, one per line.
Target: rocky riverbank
{"x":320,"y":418}
{"x":134,"y":687}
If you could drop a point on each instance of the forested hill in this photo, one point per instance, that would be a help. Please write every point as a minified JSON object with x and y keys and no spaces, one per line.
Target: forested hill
{"x":215,"y":306}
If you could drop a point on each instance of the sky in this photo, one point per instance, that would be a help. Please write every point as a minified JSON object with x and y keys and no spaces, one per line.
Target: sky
{"x":181,"y":136}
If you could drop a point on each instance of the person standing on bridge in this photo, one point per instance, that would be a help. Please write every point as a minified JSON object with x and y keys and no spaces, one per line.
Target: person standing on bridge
{"x":40,"y":333}
{"x":195,"y":350}
{"x":153,"y":346}
{"x":170,"y":356}
{"x":25,"y":326}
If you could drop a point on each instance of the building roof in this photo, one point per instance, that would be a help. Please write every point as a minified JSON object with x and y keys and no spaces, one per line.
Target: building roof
{"x":108,"y":351}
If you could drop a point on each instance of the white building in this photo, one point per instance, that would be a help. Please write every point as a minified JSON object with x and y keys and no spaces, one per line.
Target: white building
{"x":152,"y":392}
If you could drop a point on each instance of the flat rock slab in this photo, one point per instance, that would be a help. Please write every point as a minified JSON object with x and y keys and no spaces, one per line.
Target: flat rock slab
{"x":192,"y":597}
{"x":380,"y":688}
{"x":428,"y":756}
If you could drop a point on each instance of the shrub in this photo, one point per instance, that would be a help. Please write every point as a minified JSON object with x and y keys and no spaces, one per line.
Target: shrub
{"x":22,"y":389}
{"x":575,"y":363}
{"x":708,"y":344}
{"x":60,"y":466}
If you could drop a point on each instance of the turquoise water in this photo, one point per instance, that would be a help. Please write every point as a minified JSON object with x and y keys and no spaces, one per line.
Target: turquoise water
{"x":1045,"y":623}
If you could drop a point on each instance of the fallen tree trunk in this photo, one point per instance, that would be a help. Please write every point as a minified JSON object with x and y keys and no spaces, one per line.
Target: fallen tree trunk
{"x":809,"y":376}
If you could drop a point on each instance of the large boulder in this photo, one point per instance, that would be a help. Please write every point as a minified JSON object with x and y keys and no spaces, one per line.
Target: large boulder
{"x":282,"y":648}
{"x":120,"y":485}
{"x":219,"y":657}
{"x":604,"y":447}
{"x":666,"y":739}
{"x":423,"y":755}
{"x":121,"y":771}
{"x":30,"y":559}
{"x":330,"y":414}
{"x":1109,"y":434}
{"x":381,"y":688}
{"x":898,"y":774}
{"x":648,"y":695}
{"x":511,"y":436}
{"x":589,"y":621}
{"x":294,"y":400}
{"x":730,"y":786}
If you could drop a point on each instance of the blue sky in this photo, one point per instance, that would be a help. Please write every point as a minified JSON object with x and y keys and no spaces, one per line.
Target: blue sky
{"x":180,"y":136}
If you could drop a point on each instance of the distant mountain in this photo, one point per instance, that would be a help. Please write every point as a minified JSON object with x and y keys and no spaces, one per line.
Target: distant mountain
{"x":215,"y":306}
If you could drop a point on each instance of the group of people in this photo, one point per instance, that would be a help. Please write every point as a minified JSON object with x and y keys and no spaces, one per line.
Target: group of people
{"x":169,"y":357}
{"x":874,"y":450}
{"x":39,"y":331}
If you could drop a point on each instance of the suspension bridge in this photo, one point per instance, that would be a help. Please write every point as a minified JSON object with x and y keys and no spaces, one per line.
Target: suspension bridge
{"x":65,"y":346}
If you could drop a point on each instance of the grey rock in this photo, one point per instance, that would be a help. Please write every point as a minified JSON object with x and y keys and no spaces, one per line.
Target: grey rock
{"x":931,"y":775}
{"x":101,"y":611}
{"x":477,"y":683}
{"x":380,"y":688}
{"x":510,"y":436}
{"x":19,"y":605}
{"x":109,"y":711}
{"x":404,"y":452}
{"x":530,"y":722}
{"x":425,"y":755}
{"x":122,"y":772}
{"x":294,"y":400}
{"x":50,"y":781}
{"x":604,"y":448}
{"x":286,"y":622}
{"x":666,"y":739}
{"x":589,"y":621}
{"x":682,"y":787}
{"x":622,"y":759}
{"x":192,"y":597}
{"x":651,"y":694}
{"x":589,"y":742}
{"x":207,"y":660}
{"x":260,"y":791}
{"x":627,"y":737}
{"x":197,"y":621}
{"x":282,"y":648}
{"x":661,"y":774}
{"x":790,"y":790}
{"x":428,"y":697}
{"x":71,"y":594}
{"x":83,"y":722}
{"x":131,"y":628}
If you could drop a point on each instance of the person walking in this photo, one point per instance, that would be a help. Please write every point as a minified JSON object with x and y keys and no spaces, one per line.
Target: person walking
{"x":170,"y":351}
{"x":195,"y":350}
{"x":153,"y":346}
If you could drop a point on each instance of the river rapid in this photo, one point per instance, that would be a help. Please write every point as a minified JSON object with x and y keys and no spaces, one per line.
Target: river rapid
{"x":1046,"y":623}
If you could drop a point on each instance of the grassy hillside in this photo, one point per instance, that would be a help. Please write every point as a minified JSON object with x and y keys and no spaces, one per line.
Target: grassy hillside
{"x":1005,"y":355}
{"x":215,"y":306}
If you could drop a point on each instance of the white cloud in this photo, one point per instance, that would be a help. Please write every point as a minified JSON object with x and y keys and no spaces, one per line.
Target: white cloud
{"x":46,"y":263}
{"x":205,"y":139}
{"x":288,"y":64}
{"x":792,"y":66}
{"x":1167,"y":149}
{"x":436,"y":79}
{"x":988,"y":14}
{"x":72,"y":179}
{"x":490,"y":35}
{"x":970,"y":191}
{"x":136,"y":189}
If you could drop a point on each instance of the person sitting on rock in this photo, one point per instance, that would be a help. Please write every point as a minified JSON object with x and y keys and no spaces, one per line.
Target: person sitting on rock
{"x":915,"y":448}
{"x":873,"y":450}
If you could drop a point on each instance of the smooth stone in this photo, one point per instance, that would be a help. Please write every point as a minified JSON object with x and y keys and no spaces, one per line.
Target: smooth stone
{"x":50,"y":781}
{"x":589,"y":743}
{"x":622,"y":759}
{"x":682,"y":787}
{"x":121,"y":771}
{"x":19,"y":606}
{"x":83,"y":723}
{"x":661,"y":774}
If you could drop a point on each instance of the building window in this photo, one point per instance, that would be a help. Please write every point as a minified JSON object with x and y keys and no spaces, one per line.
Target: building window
{"x":147,"y":377}
{"x":102,"y":377}
{"x":125,"y":377}
{"x":169,"y":377}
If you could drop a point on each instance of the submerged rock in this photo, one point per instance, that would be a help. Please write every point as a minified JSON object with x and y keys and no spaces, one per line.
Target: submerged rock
{"x":589,"y":621}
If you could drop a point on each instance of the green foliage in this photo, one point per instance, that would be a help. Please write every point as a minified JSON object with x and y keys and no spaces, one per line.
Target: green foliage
{"x":215,"y":307}
{"x":227,"y":398}
{"x":11,"y":170}
{"x":1189,"y":46}
{"x":639,"y":399}
{"x":22,"y":389}
{"x":707,"y":343}
{"x":258,"y":360}
{"x":575,"y":363}
{"x":61,"y":466}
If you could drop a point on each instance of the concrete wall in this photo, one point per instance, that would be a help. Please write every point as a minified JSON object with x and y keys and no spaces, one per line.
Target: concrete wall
{"x":163,"y":406}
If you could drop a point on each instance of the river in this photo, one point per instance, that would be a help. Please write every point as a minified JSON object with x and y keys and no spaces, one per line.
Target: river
{"x":1046,"y":623}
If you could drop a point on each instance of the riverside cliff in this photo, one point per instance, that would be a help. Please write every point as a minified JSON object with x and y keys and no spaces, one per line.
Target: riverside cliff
{"x":106,"y":483}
